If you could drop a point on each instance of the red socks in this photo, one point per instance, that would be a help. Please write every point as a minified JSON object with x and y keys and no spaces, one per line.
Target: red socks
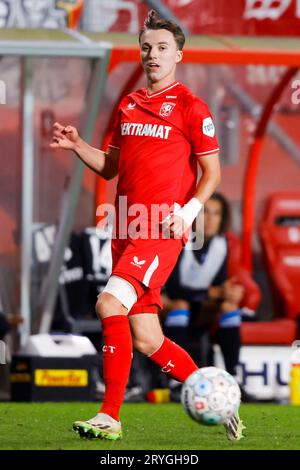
{"x":174,"y":360}
{"x":117,"y":357}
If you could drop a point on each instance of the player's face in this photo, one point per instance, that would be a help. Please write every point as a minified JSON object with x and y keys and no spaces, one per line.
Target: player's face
{"x":159,"y":54}
{"x":212,"y":218}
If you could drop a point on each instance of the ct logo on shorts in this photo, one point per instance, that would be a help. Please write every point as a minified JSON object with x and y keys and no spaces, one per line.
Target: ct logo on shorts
{"x":166,"y":109}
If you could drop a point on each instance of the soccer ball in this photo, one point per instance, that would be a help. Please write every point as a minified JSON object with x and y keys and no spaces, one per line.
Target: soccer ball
{"x":211,"y":396}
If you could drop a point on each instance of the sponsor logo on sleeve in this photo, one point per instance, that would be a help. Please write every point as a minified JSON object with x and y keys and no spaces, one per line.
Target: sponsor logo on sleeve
{"x":208,"y":127}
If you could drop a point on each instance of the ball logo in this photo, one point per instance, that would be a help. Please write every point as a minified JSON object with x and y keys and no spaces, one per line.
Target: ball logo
{"x":203,"y":387}
{"x":166,"y":109}
{"x":201,"y":405}
{"x":208,"y":127}
{"x":220,"y":384}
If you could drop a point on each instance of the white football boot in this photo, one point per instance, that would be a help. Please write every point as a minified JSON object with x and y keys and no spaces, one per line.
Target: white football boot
{"x":102,"y":426}
{"x":234,"y":428}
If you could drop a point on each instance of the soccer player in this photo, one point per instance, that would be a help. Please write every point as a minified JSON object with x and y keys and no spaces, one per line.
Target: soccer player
{"x":161,"y":134}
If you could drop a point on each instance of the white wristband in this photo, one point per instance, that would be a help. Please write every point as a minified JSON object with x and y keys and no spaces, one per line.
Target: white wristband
{"x":190,"y":210}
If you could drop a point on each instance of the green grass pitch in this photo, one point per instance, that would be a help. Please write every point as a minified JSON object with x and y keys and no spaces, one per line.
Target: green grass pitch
{"x":48,"y":426}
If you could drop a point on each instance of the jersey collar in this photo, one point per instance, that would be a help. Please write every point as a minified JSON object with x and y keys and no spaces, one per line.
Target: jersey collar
{"x":163,"y":90}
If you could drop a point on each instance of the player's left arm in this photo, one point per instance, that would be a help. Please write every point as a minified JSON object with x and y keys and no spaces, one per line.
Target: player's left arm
{"x":183,"y":218}
{"x":211,"y":177}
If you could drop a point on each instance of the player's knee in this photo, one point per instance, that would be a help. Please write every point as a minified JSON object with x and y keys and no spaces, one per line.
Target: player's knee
{"x":117,"y":298}
{"x":108,"y":305}
{"x":147,"y":345}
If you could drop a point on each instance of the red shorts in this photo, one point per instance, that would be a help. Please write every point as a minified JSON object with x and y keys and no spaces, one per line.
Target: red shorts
{"x":150,"y":262}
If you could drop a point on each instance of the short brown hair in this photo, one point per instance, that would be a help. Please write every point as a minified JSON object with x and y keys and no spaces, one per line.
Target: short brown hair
{"x":154,"y":21}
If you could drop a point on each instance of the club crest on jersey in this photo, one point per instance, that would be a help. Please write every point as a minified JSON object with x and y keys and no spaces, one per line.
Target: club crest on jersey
{"x":166,"y":109}
{"x":208,"y":127}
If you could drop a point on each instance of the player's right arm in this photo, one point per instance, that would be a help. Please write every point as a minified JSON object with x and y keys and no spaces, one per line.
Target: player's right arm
{"x":102,"y":163}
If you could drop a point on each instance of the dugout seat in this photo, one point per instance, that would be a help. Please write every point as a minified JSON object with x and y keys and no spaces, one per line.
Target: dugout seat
{"x":281,"y":331}
{"x":280,"y":237}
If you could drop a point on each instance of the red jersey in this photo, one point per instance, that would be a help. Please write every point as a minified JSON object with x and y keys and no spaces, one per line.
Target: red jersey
{"x":160,"y":137}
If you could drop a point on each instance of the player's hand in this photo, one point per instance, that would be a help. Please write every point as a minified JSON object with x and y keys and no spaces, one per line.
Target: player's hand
{"x":174,"y":226}
{"x":64,"y":137}
{"x":177,"y":223}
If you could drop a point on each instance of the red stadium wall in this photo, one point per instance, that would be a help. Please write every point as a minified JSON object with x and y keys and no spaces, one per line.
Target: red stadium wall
{"x":243,"y":17}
